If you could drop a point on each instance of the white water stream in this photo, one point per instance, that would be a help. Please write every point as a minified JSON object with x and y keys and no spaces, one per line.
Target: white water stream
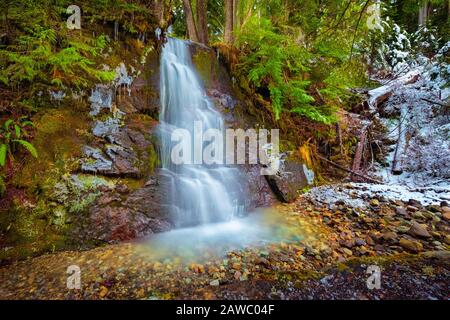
{"x":197,"y":193}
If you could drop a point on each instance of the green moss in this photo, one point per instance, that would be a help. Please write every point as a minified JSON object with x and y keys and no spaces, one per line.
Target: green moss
{"x":81,"y":205}
{"x":59,"y":138}
{"x":205,"y":63}
{"x":153,"y":159}
{"x":133,"y":184}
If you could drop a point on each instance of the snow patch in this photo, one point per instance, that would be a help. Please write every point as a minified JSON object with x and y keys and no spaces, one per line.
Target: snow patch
{"x":355,"y":195}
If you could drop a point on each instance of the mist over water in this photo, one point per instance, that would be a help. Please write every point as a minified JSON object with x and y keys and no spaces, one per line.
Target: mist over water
{"x":197,"y":194}
{"x":202,"y":242}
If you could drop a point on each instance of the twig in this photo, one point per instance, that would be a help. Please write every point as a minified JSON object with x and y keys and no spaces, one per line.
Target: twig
{"x":435,"y":102}
{"x":348,"y":170}
{"x":357,"y":26}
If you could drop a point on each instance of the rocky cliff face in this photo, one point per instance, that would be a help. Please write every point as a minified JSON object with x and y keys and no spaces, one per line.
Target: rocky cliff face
{"x":97,"y":178}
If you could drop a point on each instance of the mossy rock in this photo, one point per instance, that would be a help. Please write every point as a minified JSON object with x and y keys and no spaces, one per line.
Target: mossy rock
{"x":60,"y":135}
{"x":205,"y":65}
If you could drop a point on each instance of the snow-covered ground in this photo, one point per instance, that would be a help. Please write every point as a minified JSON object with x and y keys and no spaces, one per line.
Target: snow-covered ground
{"x":355,"y":195}
{"x":415,"y":111}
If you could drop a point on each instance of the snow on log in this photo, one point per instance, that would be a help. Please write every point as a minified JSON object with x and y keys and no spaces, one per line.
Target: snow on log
{"x":379,"y":95}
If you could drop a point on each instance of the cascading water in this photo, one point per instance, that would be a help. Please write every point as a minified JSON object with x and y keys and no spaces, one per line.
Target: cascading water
{"x":198,"y":193}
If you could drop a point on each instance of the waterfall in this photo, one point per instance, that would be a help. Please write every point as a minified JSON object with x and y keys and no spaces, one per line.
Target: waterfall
{"x":197,"y":193}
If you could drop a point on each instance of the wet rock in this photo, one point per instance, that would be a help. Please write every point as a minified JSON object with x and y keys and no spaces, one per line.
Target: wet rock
{"x":446,"y":216}
{"x":433,"y":208}
{"x":124,"y":159}
{"x":438,"y":255}
{"x":418,"y":230}
{"x":390,"y":236}
{"x":110,"y":126}
{"x":116,"y":216}
{"x":107,"y":199}
{"x":289,"y":181}
{"x":257,"y":188}
{"x":97,"y":162}
{"x":447,"y":239}
{"x":224,"y":99}
{"x":418,"y":215}
{"x":414,"y":203}
{"x":375,"y":203}
{"x":347,"y":243}
{"x":401,"y":211}
{"x":370,"y":241}
{"x":122,"y":188}
{"x":403,"y":229}
{"x":411,"y":246}
{"x":214,"y":283}
{"x":124,"y":152}
{"x":348,"y":252}
{"x":445,"y":213}
{"x":412,"y":208}
{"x":101,"y":98}
{"x":427,"y":214}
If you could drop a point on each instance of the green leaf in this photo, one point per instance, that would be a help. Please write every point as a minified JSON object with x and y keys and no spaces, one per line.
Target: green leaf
{"x":3,"y":150}
{"x":7,"y":124}
{"x":27,"y":123}
{"x":17,"y":130}
{"x":31,"y":149}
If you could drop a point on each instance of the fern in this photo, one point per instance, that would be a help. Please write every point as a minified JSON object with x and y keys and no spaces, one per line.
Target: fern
{"x":3,"y":152}
{"x":275,"y":62}
{"x":276,"y":96}
{"x":35,"y":58}
{"x":30,"y":148}
{"x":12,"y":133}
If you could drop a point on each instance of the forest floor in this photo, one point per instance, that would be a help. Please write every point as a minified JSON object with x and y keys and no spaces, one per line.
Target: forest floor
{"x":314,"y":251}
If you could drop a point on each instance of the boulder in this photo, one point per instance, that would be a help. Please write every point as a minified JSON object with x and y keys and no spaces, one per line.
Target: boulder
{"x":257,"y":188}
{"x":411,"y":246}
{"x":418,"y":230}
{"x":445,"y":213}
{"x":293,"y":177}
{"x":124,"y":152}
{"x":401,"y":211}
{"x":120,"y":215}
{"x":390,"y":236}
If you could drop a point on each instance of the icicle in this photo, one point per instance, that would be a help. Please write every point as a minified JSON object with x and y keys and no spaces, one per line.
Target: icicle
{"x":158,"y":34}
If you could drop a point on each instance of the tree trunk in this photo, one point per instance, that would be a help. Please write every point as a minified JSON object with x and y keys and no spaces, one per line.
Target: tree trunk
{"x":235,"y":15}
{"x":202,"y":21}
{"x":192,"y":30}
{"x":228,"y":34}
{"x":357,"y":161}
{"x":448,"y":10}
{"x":423,"y":14}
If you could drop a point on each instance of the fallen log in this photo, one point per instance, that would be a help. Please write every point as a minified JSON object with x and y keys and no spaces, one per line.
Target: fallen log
{"x":334,"y":164}
{"x":379,"y":95}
